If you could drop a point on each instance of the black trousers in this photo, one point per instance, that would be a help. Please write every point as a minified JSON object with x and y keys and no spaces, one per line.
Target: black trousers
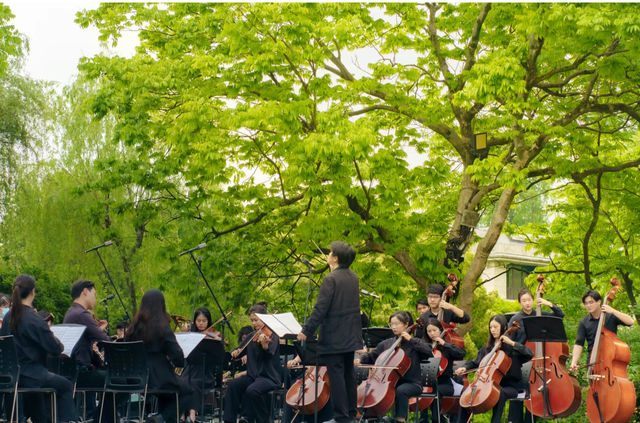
{"x":252,"y":393}
{"x":405,"y":391}
{"x":343,"y":385}
{"x":506,"y":392}
{"x":89,"y":379}
{"x":35,"y":405}
{"x":444,"y":390}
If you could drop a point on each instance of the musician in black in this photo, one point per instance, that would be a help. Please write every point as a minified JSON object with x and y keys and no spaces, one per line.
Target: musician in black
{"x":588,"y":327}
{"x":450,"y":352}
{"x":450,"y":313}
{"x":415,"y":348}
{"x":263,"y":373}
{"x":90,"y":373}
{"x":337,"y":312}
{"x":512,"y":380}
{"x":151,"y":326}
{"x":34,"y":340}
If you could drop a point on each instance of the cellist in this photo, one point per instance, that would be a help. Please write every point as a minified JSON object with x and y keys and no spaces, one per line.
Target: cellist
{"x":512,"y":380}
{"x":450,"y":352}
{"x":525,"y":298}
{"x":450,"y":313}
{"x":415,"y":348}
{"x":588,"y":326}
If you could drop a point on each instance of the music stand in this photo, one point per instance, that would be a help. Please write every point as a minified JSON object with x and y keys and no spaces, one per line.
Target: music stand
{"x":208,"y":352}
{"x":373,"y":336}
{"x":544,"y":329}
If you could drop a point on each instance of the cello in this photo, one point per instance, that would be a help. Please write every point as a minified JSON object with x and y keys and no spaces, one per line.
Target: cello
{"x":611,"y":397}
{"x":376,"y":395}
{"x":450,"y":335}
{"x":484,"y":392}
{"x":304,"y":401}
{"x":552,"y":366}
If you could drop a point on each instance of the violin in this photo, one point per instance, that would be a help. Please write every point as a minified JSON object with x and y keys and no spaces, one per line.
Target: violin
{"x":484,"y":392}
{"x":258,"y":334}
{"x":450,"y":335}
{"x":376,"y":395}
{"x":551,"y":365}
{"x":304,"y":401}
{"x":612,"y":396}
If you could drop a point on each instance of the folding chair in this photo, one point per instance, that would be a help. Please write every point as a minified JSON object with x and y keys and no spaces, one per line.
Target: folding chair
{"x":127,"y":373}
{"x":9,"y":378}
{"x":429,"y":374}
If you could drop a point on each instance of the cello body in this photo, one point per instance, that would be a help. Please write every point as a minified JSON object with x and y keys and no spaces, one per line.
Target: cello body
{"x":565,"y":393}
{"x":563,"y":390}
{"x":609,"y":381}
{"x":305,"y":402}
{"x":376,"y":395}
{"x":484,"y":392}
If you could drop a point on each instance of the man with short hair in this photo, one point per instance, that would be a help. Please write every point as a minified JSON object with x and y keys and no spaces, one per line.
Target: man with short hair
{"x":450,"y":313}
{"x":337,"y":312}
{"x":588,"y":327}
{"x":83,"y":293}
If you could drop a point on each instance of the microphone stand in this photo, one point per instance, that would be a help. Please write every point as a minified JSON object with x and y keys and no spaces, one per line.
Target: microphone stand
{"x":195,"y":291}
{"x":115,"y":289}
{"x":225,"y":321}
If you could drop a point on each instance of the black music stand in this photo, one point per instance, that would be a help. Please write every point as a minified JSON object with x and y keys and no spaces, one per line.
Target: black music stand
{"x":209,"y":352}
{"x":373,"y":336}
{"x":544,"y":329}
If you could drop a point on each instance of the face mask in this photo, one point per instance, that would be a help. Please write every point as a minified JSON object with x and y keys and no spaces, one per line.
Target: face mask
{"x":3,"y":312}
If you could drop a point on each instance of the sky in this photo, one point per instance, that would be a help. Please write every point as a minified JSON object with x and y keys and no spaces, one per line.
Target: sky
{"x":56,"y":42}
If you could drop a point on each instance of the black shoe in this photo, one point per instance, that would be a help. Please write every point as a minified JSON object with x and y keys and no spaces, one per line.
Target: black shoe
{"x":243,"y":420}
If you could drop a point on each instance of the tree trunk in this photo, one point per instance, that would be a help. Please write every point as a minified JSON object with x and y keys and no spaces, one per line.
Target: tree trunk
{"x":482,"y":252}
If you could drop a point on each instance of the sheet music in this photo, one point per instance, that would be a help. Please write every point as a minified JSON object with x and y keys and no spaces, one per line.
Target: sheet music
{"x":188,"y":341}
{"x":282,"y":324}
{"x":69,"y":334}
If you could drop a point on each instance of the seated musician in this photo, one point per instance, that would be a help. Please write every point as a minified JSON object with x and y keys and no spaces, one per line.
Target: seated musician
{"x":450,"y":352}
{"x":525,"y":298}
{"x":151,"y":326}
{"x":90,"y":373}
{"x":194,"y":374}
{"x":450,"y":313}
{"x":422,"y":306}
{"x":415,"y":348}
{"x":262,"y":375}
{"x":588,"y":327}
{"x":512,"y":380}
{"x":34,"y":340}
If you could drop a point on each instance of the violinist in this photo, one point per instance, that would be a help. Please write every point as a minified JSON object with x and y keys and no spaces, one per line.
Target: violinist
{"x":194,"y":374}
{"x":337,"y":312}
{"x":151,"y":326}
{"x":512,"y":380}
{"x":415,"y":348}
{"x":450,"y":313}
{"x":526,"y":300}
{"x":450,"y":352}
{"x":588,"y":326}
{"x":90,"y":373}
{"x":263,"y":373}
{"x":33,"y":341}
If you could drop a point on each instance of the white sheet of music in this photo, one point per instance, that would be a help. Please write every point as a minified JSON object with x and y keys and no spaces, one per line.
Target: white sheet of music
{"x":188,"y":341}
{"x":282,"y":324}
{"x":69,"y":334}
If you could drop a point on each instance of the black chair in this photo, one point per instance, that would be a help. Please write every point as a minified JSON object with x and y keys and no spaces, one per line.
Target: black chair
{"x":127,"y":373}
{"x":525,"y":394}
{"x":276,"y":404}
{"x":9,"y":378}
{"x":429,"y":374}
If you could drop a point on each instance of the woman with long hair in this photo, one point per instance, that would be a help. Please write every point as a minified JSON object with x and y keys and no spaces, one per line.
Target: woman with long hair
{"x":151,"y":326}
{"x":512,"y":380}
{"x":34,"y":340}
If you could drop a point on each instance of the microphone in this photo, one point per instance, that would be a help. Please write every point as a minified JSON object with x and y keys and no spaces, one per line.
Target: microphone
{"x":106,"y":244}
{"x":305,"y":261}
{"x":108,"y":298}
{"x":370,"y":294}
{"x":191,"y":250}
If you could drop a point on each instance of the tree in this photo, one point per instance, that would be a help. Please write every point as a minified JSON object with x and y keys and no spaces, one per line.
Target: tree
{"x":271,"y":128}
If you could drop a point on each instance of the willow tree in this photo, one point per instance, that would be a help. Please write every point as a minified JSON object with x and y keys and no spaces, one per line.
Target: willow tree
{"x":294,"y":120}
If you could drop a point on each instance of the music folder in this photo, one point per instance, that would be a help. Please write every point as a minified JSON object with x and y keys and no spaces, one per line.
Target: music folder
{"x":69,"y":334}
{"x":284,"y":325}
